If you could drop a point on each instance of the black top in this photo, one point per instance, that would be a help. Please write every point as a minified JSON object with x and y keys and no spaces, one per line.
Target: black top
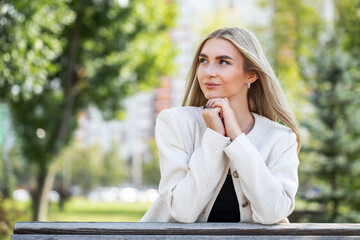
{"x":226,"y":206}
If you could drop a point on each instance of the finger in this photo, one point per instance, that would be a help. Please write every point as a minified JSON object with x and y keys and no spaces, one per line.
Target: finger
{"x":218,"y":111}
{"x":206,"y":105}
{"x":209,"y":104}
{"x":223,"y":103}
{"x":215,"y":110}
{"x":212,"y":110}
{"x":218,"y":104}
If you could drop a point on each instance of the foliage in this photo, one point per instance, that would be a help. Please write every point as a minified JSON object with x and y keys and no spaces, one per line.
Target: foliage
{"x":335,"y":133}
{"x":59,"y":57}
{"x":8,"y":217}
{"x":348,"y":19}
{"x":295,"y":28}
{"x":5,"y":227}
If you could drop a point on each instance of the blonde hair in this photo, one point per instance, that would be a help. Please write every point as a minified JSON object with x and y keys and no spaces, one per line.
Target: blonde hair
{"x":265,"y":97}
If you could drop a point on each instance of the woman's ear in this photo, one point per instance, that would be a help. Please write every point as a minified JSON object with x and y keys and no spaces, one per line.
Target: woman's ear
{"x":252,"y":77}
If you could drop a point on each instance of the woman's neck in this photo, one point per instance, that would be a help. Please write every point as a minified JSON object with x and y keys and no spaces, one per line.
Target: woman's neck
{"x":241,"y":111}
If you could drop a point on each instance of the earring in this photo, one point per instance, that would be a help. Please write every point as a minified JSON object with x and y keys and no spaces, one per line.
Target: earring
{"x":248,"y":85}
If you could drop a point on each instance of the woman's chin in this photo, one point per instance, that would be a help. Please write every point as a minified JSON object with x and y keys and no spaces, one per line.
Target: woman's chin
{"x":211,"y":96}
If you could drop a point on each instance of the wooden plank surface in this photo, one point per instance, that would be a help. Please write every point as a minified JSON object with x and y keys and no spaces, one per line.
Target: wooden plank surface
{"x":175,"y":237}
{"x":135,"y":228}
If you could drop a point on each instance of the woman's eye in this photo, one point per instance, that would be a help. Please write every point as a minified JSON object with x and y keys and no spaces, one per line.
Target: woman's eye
{"x":223,"y":62}
{"x":202,"y":60}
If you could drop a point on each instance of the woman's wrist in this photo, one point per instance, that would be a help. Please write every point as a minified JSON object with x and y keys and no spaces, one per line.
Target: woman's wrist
{"x":235,"y":134}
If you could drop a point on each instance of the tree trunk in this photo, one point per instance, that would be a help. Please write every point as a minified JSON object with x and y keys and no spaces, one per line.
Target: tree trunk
{"x":36,"y":193}
{"x":47,"y":182}
{"x":69,"y":80}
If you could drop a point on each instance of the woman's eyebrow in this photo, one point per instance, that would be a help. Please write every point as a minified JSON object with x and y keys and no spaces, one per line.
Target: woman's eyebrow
{"x":217,"y":57}
{"x":224,"y":57}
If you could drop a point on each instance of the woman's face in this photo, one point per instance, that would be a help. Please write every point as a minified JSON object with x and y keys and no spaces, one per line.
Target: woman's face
{"x":220,"y":72}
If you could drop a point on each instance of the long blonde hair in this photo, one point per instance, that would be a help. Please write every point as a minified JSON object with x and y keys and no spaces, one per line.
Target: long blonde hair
{"x":265,"y":97}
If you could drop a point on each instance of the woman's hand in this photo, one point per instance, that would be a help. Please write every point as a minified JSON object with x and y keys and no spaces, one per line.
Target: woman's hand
{"x":232,"y":128}
{"x":213,"y":120}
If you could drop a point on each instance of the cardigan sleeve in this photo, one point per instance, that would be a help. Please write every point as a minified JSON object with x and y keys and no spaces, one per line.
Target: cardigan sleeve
{"x":188,"y":180}
{"x":271,"y":189}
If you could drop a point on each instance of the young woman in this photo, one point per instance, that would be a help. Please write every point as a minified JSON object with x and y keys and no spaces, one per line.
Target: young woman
{"x":224,"y":158}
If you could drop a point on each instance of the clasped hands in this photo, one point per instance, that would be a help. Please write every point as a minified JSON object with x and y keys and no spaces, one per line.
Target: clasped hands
{"x":220,"y":117}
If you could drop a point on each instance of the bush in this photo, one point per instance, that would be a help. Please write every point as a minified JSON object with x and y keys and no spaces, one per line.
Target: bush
{"x":7,"y":219}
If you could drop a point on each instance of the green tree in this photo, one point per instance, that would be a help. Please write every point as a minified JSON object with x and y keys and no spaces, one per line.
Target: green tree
{"x":335,"y":134}
{"x":57,"y":57}
{"x":292,"y":36}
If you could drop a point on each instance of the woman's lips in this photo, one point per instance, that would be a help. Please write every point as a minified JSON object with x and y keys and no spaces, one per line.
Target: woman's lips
{"x":211,"y":85}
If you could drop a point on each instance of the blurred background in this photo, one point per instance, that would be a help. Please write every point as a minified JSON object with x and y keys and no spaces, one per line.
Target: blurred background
{"x":82,"y":82}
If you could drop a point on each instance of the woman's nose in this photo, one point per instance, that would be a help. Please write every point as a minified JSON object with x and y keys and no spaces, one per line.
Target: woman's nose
{"x":210,"y":71}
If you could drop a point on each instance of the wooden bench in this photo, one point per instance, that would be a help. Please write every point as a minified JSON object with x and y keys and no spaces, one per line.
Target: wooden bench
{"x":172,"y":231}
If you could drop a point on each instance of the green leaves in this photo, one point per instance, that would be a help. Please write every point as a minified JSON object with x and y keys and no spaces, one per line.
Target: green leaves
{"x":334,"y":97}
{"x":30,"y":41}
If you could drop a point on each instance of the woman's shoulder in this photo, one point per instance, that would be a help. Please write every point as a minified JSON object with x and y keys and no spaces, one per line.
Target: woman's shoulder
{"x":185,"y":121}
{"x":273,"y":136}
{"x":265,"y":125}
{"x":182,"y":113}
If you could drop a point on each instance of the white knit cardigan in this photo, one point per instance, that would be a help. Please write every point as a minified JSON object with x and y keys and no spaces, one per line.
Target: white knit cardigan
{"x":195,"y":160}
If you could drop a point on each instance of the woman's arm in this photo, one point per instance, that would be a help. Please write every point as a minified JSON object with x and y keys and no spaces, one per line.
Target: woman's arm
{"x":270,"y":189}
{"x":188,"y":180}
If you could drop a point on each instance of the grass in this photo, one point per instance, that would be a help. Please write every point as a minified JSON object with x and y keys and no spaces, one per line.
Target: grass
{"x":79,"y":209}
